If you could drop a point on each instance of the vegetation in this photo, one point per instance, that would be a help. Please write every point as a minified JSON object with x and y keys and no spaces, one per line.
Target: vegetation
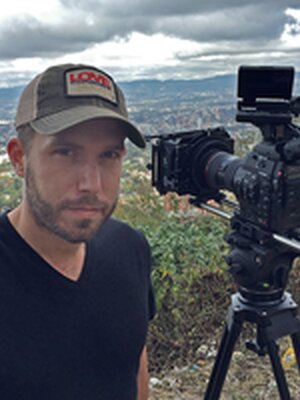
{"x":189,"y":277}
{"x":10,"y":187}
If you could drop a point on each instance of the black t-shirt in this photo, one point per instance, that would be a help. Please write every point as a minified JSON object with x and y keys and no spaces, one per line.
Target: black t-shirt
{"x":66,"y":340}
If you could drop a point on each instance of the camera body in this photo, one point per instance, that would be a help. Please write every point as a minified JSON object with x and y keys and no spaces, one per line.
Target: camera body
{"x":266,"y":181}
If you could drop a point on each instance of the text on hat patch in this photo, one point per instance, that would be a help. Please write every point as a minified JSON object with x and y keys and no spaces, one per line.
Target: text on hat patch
{"x":89,"y":82}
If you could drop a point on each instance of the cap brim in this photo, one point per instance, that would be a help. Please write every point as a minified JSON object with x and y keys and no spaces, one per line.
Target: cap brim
{"x":67,"y":118}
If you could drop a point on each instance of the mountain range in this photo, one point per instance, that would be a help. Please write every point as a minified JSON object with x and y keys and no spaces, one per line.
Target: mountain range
{"x":149,"y":88}
{"x":143,"y":95}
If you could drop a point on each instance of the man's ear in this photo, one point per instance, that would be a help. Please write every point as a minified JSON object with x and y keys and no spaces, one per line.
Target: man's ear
{"x":15,"y":151}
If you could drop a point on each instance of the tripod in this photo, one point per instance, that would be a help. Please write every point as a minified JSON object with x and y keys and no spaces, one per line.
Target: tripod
{"x":259,"y":262}
{"x":275,"y":315}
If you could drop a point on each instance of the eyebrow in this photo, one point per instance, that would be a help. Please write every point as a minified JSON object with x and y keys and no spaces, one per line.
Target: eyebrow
{"x":58,"y":141}
{"x":62,"y":142}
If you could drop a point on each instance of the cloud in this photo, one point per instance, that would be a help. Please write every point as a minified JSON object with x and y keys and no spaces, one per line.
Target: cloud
{"x":87,"y":22}
{"x":221,"y":32}
{"x":166,"y":8}
{"x":29,"y":37}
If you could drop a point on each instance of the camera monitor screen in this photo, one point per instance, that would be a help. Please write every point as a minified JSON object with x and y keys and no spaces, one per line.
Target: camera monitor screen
{"x":265,"y":82}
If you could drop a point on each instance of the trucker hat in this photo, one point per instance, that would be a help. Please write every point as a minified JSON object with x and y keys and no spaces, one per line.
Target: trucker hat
{"x":66,"y":95}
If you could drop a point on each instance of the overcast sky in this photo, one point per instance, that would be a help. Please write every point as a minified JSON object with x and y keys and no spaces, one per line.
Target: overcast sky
{"x":154,"y":39}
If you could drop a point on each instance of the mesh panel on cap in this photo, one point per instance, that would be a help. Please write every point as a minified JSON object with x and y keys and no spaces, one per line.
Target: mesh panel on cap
{"x":27,"y":109}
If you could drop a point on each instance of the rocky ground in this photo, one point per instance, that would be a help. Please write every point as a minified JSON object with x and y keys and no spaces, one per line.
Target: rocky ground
{"x":250,"y":377}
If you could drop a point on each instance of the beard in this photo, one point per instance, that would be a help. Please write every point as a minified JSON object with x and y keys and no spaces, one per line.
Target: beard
{"x":50,"y":217}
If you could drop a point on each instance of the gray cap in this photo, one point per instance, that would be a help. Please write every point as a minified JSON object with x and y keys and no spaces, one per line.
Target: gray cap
{"x":66,"y":95}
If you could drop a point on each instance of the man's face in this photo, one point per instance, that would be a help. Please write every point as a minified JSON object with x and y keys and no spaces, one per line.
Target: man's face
{"x":72,"y":178}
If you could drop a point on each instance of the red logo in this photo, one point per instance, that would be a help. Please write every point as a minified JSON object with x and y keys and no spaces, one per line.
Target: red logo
{"x":90,"y":76}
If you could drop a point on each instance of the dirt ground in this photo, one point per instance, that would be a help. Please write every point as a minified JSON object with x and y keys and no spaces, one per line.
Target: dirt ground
{"x":250,"y":377}
{"x":184,"y":361}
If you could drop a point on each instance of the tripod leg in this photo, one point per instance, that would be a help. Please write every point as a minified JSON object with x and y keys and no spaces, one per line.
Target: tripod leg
{"x":296,"y":344}
{"x":218,"y":375}
{"x":278,"y":371}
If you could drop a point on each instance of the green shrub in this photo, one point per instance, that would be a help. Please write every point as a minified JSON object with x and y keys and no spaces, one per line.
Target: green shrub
{"x":192,"y":290}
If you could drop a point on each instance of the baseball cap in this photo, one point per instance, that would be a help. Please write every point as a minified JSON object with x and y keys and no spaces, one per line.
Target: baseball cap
{"x":66,"y":95}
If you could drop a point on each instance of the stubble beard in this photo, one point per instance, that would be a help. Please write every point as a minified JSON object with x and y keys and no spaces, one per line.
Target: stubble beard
{"x":48,"y":216}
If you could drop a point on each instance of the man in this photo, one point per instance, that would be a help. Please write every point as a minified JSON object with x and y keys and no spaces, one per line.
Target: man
{"x":75,"y":290}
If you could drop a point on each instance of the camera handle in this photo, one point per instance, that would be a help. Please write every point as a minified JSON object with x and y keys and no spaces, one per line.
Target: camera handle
{"x":275,"y":316}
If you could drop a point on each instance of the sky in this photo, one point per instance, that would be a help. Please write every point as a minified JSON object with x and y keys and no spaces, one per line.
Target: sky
{"x":147,"y":39}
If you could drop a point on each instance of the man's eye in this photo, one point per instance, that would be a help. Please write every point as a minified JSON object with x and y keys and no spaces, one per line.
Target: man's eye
{"x":113,"y":155}
{"x":64,"y":151}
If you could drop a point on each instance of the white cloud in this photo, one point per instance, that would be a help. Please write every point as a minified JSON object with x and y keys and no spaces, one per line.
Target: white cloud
{"x":291,"y":33}
{"x":50,"y":10}
{"x":139,"y":49}
{"x":147,"y":39}
{"x":127,"y":58}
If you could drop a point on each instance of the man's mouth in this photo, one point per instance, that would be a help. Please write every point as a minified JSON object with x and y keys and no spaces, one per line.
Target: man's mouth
{"x":85,"y":212}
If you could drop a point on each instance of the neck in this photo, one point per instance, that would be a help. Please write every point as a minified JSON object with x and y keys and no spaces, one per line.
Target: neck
{"x":67,"y":258}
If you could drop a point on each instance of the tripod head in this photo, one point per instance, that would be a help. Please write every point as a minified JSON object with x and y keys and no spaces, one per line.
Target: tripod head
{"x":257,"y":261}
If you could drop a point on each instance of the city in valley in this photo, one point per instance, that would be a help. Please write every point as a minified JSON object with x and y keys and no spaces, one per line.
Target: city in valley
{"x":161,"y":107}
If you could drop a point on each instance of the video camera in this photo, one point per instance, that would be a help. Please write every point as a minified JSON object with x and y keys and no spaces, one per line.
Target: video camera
{"x":266,"y":181}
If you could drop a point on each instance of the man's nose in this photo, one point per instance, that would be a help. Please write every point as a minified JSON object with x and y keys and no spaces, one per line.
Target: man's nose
{"x":90,"y":178}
